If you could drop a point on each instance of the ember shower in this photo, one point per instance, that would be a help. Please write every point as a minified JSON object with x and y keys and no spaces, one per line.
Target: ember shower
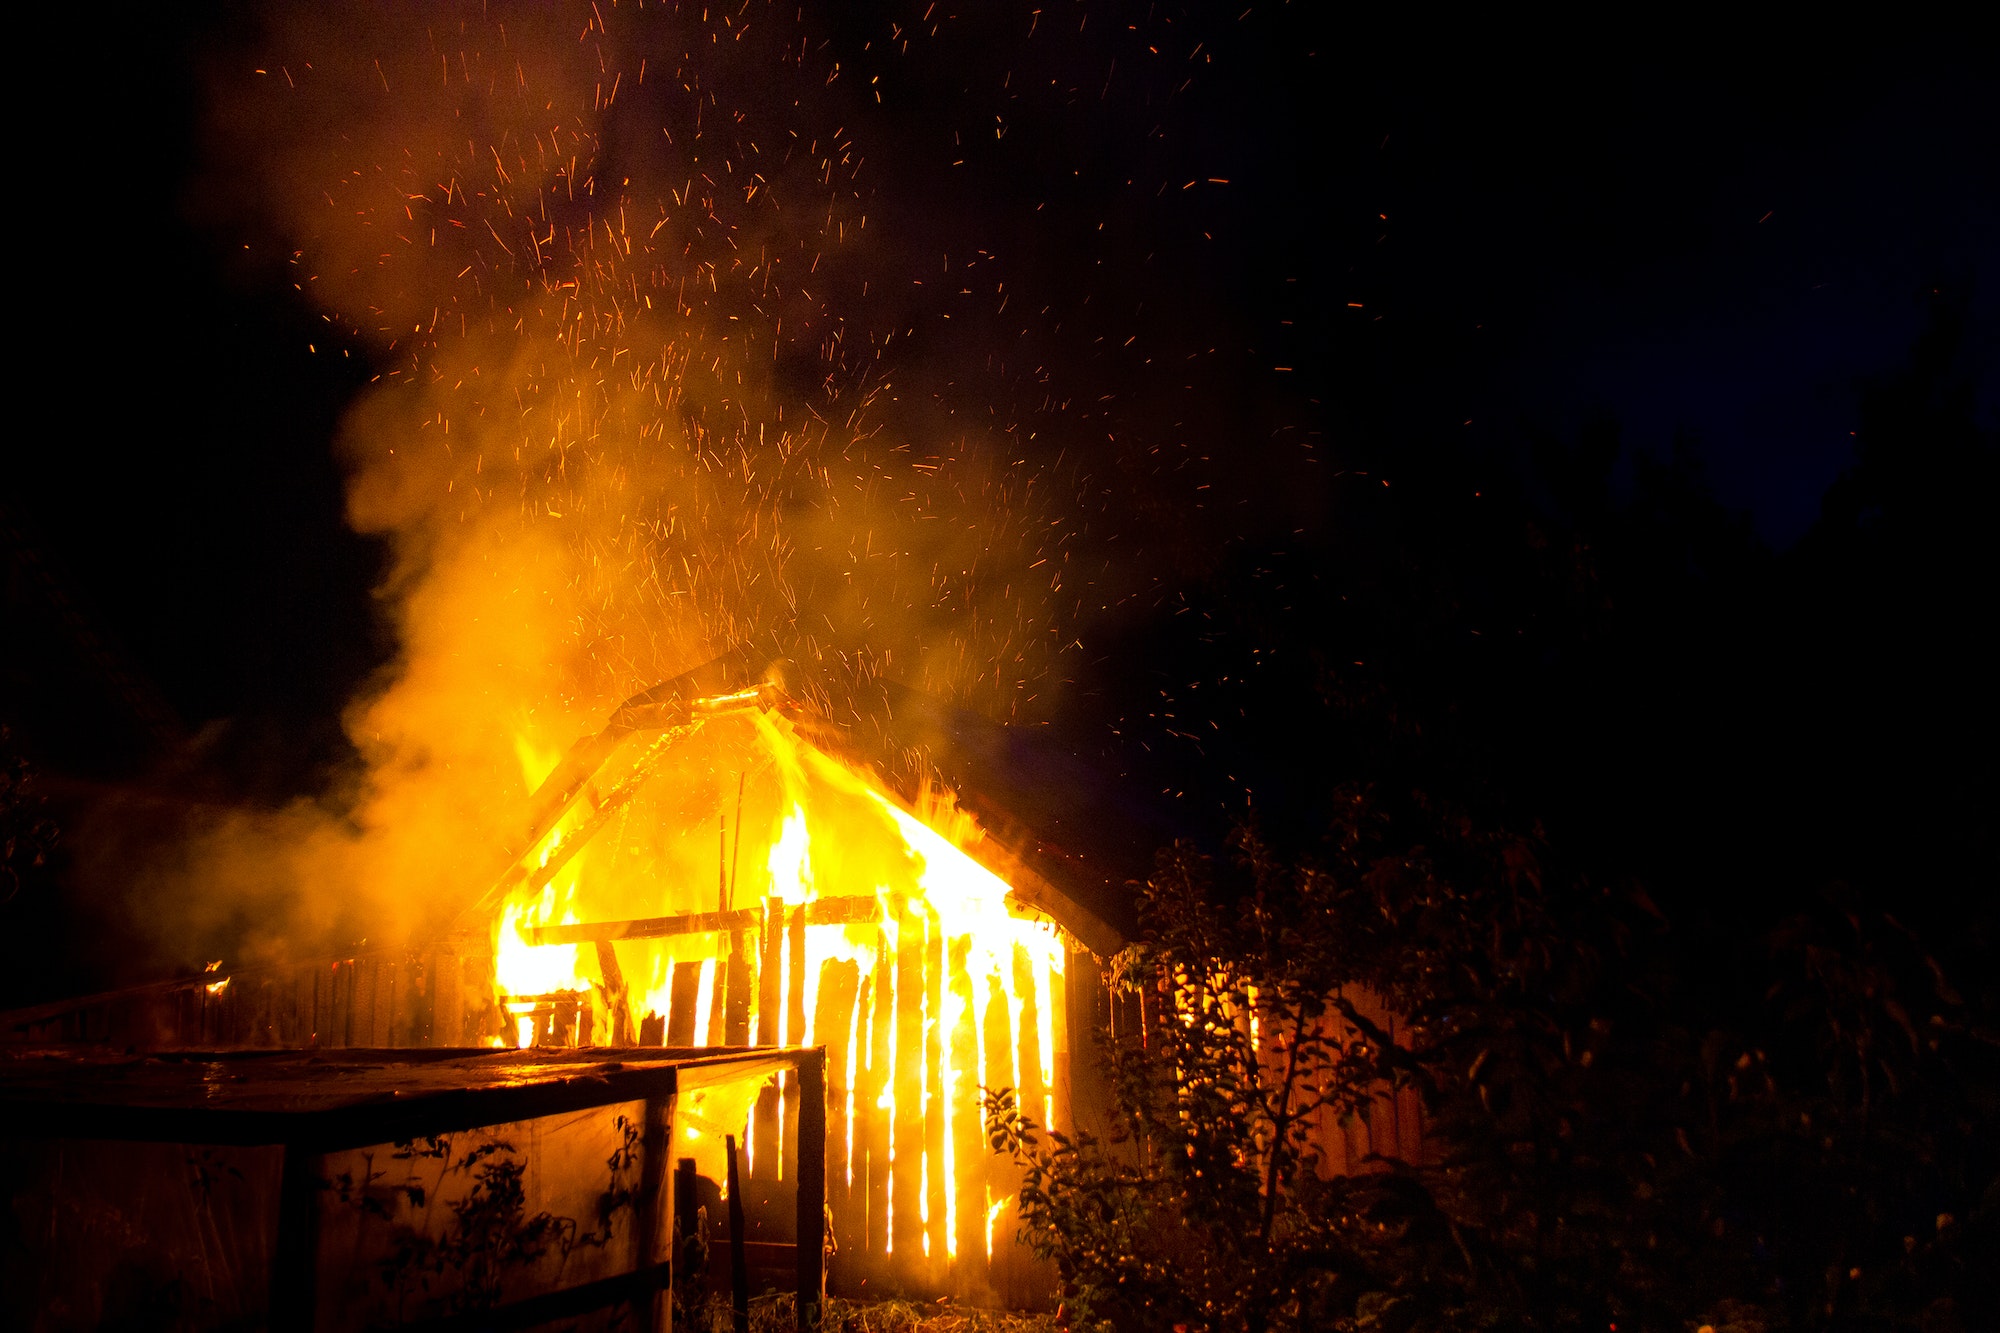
{"x":638,"y":405}
{"x":614,"y":264}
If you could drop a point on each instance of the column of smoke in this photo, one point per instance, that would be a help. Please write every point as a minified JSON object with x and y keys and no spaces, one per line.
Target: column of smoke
{"x":639,"y":402}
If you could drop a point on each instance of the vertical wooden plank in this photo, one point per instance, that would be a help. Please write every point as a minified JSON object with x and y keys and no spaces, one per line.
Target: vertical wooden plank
{"x":361,"y":1001}
{"x":741,"y":986}
{"x":811,"y":1079}
{"x":1003,"y":1179}
{"x":770,"y":973}
{"x":1034,"y":1088}
{"x":355,"y":1027}
{"x":718,"y":1004}
{"x":1034,"y":1101}
{"x":882,"y":1030}
{"x":795,"y":998}
{"x":853,"y":1234}
{"x":414,"y":1013}
{"x":1057,"y":998}
{"x":739,"y":1266}
{"x":907,"y":1147}
{"x":968,"y":1146}
{"x":765,"y":1147}
{"x":295,"y":1253}
{"x":795,"y":1017}
{"x":938,"y":1239}
{"x":447,"y":1007}
{"x":686,"y":989}
{"x":267,"y":1010}
{"x":833,"y":1015}
{"x":1085,"y":1014}
{"x":425,"y":994}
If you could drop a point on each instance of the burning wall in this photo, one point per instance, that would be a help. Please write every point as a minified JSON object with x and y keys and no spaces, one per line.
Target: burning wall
{"x":737,"y":884}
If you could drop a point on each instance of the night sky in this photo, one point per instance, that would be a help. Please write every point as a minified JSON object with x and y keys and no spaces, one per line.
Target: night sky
{"x":1404,"y":241}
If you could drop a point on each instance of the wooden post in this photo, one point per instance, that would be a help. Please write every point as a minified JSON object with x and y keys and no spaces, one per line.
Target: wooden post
{"x":656,"y":1137}
{"x":739,"y":1266}
{"x":295,"y":1256}
{"x":687,"y":1232}
{"x":811,"y":1078}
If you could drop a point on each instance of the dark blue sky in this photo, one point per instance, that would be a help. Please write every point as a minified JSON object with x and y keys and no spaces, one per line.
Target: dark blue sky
{"x":1727,"y":246}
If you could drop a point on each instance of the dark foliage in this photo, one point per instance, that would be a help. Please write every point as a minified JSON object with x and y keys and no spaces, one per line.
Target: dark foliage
{"x":1595,"y":1153}
{"x":464,"y":1263}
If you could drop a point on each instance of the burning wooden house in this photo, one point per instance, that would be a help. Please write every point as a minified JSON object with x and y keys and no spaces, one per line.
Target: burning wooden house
{"x":717,"y":870}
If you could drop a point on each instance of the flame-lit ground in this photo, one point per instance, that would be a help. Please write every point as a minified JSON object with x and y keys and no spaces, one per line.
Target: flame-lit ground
{"x":766,"y":892}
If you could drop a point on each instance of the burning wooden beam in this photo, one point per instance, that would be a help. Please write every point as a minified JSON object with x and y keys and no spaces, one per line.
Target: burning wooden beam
{"x":820,"y":912}
{"x":709,"y":690}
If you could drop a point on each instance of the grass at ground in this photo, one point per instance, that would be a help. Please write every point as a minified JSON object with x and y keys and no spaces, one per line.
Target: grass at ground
{"x":774,"y":1314}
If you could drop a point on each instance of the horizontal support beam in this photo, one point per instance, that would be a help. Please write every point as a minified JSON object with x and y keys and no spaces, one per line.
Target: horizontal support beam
{"x":327,"y":1112}
{"x":819,"y":912}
